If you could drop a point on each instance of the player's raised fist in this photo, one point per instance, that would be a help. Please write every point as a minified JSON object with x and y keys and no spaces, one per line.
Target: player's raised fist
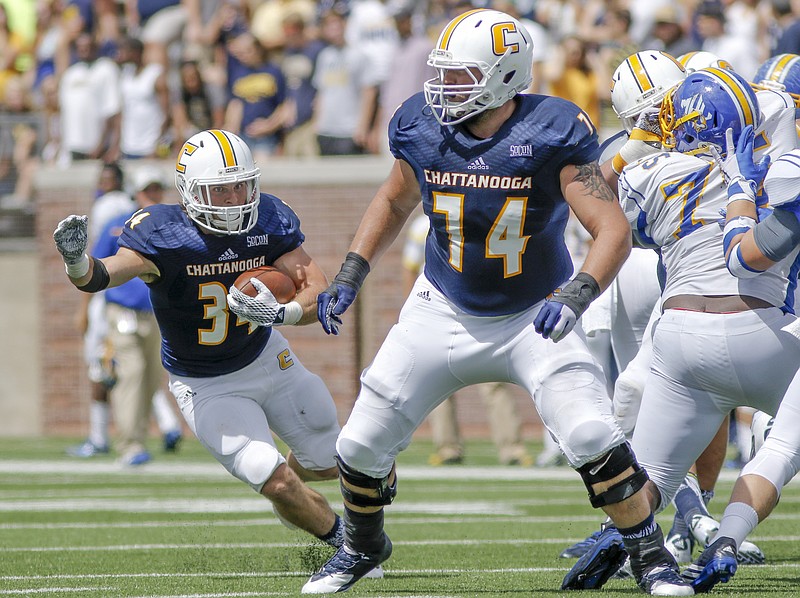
{"x":71,"y":237}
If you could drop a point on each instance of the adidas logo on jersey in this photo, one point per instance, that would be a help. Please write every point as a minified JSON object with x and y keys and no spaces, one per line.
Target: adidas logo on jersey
{"x":425,"y":295}
{"x":228,"y":255}
{"x":478,"y":164}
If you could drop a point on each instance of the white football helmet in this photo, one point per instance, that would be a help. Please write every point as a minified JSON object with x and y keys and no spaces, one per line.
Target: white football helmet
{"x":217,"y":157}
{"x":694,"y":61}
{"x":495,"y":50}
{"x":642,"y":81}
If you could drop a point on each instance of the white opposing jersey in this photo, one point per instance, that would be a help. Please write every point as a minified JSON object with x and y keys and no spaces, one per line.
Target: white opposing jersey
{"x":673,"y":201}
{"x":777,"y":133}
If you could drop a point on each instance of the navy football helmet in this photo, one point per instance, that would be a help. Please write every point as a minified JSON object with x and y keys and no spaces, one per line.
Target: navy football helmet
{"x":706,"y":104}
{"x":781,"y":72}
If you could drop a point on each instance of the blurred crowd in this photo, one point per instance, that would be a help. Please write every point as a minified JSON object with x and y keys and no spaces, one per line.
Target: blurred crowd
{"x":129,"y":79}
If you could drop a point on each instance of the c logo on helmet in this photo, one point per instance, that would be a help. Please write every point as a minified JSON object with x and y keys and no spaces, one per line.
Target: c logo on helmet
{"x":499,"y":44}
{"x":187,"y":150}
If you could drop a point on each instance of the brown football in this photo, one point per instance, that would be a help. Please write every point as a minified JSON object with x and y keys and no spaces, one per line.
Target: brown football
{"x":281,"y":285}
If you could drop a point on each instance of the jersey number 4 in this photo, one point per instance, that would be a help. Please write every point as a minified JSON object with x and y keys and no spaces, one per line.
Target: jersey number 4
{"x":505,"y":239}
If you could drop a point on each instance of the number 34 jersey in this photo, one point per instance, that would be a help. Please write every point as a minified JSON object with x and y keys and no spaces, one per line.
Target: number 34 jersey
{"x":673,"y":201}
{"x":496,"y":242}
{"x":200,"y":337}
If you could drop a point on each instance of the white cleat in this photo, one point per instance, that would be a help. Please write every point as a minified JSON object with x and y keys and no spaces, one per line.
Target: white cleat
{"x":345,"y":568}
{"x":680,"y":547}
{"x":376,"y":573}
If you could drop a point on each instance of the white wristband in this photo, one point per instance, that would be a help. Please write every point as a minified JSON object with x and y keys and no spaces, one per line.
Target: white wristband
{"x":79,"y":268}
{"x":292,"y":312}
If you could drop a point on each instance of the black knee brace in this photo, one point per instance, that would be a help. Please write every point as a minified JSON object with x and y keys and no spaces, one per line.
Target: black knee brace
{"x":351,"y":481}
{"x":612,"y":464}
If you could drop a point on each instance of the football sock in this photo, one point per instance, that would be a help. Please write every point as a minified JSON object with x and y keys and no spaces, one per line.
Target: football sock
{"x":689,"y":501}
{"x":335,"y":537}
{"x":645,"y":547}
{"x":99,"y":416}
{"x":738,"y":521}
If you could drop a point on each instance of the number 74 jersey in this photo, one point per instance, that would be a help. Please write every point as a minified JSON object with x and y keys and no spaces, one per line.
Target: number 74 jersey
{"x":673,"y":202}
{"x":496,"y":242}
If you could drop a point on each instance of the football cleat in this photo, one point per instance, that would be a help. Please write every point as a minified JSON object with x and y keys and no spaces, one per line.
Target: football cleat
{"x":704,"y":529}
{"x":603,"y":559}
{"x":376,"y":573}
{"x":750,"y":554}
{"x":717,"y":564}
{"x":578,"y":549}
{"x":680,"y":547}
{"x":86,"y":450}
{"x":663,"y":580}
{"x":344,"y":569}
{"x":625,"y":572}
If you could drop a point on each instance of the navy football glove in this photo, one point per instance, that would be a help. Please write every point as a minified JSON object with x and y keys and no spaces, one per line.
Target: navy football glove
{"x":335,"y":300}
{"x":558,"y":316}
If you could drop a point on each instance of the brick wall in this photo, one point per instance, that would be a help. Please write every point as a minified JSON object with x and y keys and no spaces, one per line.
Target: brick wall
{"x":330,"y":197}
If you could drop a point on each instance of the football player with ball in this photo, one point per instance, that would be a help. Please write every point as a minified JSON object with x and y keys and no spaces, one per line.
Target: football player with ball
{"x":233,"y":374}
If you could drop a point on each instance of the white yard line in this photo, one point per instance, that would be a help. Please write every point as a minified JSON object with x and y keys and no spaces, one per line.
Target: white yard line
{"x":183,"y":469}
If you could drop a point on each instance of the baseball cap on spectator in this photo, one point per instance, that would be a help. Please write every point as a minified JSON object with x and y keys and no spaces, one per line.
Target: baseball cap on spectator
{"x":667,"y":14}
{"x":710,"y":8}
{"x":147,"y":177}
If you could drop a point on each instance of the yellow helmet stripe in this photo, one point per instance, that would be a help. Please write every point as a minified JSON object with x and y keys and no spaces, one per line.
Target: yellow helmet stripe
{"x":777,"y":70}
{"x":643,"y":79}
{"x":685,"y":58}
{"x":745,"y":109}
{"x":444,"y":39}
{"x":228,"y":155}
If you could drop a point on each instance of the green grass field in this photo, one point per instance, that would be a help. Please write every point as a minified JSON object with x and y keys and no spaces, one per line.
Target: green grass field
{"x":182,"y":527}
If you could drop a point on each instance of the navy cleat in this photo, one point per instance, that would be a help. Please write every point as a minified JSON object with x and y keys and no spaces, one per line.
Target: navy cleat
{"x":345,"y":568}
{"x":704,"y":529}
{"x":603,"y":559}
{"x":578,"y":549}
{"x":717,"y":564}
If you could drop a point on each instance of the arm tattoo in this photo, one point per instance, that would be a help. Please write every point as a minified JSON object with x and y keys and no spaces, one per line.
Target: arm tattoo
{"x":591,"y":178}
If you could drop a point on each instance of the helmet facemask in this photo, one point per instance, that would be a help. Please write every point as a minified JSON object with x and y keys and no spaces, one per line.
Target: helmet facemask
{"x":226,"y":220}
{"x":453,"y":104}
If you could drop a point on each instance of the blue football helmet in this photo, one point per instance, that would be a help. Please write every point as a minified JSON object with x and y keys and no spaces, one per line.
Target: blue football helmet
{"x":781,"y":72}
{"x":706,"y":104}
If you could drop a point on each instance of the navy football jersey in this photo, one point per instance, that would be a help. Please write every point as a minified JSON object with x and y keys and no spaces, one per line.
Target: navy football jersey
{"x":200,"y":337}
{"x":496,"y":244}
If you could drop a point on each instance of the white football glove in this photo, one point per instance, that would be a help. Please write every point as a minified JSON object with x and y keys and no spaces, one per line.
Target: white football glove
{"x":740,"y":172}
{"x":72,"y":237}
{"x":263,"y":309}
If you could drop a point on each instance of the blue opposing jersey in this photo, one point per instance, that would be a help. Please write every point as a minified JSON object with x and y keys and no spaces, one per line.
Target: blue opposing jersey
{"x":497,"y":214}
{"x":200,"y":337}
